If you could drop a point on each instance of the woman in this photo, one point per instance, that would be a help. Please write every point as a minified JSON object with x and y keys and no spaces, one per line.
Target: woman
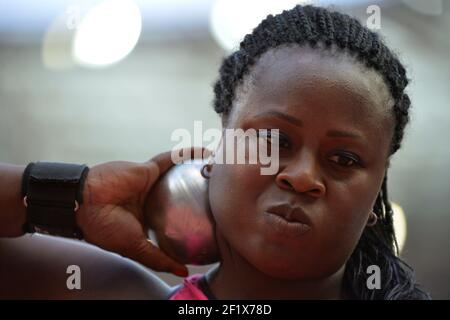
{"x":336,"y":94}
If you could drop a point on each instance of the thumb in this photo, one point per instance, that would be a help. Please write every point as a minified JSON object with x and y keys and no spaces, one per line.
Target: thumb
{"x":146,"y":253}
{"x":164,"y":161}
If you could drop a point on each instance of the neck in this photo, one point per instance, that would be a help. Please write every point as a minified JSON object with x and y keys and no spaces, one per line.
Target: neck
{"x":236,"y":278}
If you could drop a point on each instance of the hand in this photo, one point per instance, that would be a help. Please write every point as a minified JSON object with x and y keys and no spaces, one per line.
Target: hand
{"x":112,"y":215}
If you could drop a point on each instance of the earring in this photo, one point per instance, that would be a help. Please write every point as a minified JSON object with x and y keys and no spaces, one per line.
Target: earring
{"x":208,"y":169}
{"x":372,"y":219}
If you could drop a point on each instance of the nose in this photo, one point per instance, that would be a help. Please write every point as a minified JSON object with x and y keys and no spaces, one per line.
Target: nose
{"x":301,"y":175}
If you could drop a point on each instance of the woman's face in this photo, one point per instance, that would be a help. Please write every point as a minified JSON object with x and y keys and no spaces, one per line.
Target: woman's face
{"x":335,"y":128}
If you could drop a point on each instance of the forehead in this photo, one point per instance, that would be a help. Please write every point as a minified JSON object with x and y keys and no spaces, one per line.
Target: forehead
{"x":297,"y":79}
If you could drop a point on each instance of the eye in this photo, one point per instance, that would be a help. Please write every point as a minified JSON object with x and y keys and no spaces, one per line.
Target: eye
{"x":271,"y":136}
{"x":347,"y":160}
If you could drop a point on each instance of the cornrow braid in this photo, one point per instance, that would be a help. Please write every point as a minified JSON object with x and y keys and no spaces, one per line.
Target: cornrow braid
{"x":310,"y":25}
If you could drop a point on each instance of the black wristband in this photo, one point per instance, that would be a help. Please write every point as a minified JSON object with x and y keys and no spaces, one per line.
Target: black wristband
{"x":52,"y":193}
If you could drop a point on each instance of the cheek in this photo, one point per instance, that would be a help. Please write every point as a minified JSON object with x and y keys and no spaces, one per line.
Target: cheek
{"x":233,"y":188}
{"x":348,"y":209}
{"x":234,"y":191}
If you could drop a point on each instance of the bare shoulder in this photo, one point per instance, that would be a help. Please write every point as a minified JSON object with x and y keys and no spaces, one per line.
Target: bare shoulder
{"x":39,"y":267}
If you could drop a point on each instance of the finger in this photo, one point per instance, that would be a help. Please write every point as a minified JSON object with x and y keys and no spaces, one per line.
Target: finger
{"x":164,"y":160}
{"x":144,"y":252}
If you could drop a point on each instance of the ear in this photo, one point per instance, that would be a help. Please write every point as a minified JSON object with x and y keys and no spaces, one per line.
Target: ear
{"x":217,"y":154}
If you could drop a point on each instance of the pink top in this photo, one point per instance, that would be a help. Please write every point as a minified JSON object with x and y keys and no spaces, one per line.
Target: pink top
{"x":190,"y":289}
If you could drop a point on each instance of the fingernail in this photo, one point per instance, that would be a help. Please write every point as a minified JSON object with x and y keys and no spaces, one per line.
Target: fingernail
{"x":181,"y":272}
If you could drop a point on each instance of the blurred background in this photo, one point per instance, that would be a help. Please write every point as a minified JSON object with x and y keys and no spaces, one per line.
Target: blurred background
{"x":101,"y":80}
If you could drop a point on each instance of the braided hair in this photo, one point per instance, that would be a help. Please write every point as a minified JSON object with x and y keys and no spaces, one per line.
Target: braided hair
{"x":321,"y":29}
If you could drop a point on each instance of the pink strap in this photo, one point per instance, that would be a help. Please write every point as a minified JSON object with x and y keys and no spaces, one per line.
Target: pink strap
{"x":189,"y":290}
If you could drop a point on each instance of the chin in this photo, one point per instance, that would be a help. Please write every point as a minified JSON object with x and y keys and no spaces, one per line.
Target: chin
{"x":295,"y":270}
{"x":281,"y":269}
{"x":284,"y":273}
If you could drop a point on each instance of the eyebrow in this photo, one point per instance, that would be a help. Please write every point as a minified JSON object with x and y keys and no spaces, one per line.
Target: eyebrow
{"x":299,"y":123}
{"x":295,"y":121}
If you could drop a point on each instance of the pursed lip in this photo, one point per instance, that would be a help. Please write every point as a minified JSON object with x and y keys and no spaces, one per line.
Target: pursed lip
{"x":290,"y":213}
